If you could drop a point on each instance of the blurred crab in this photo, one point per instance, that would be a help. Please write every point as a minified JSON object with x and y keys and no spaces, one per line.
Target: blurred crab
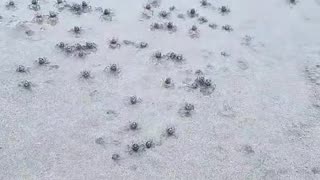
{"x":192,"y":13}
{"x":205,"y":3}
{"x":175,"y":57}
{"x":42,"y":61}
{"x":202,"y":20}
{"x":213,"y":26}
{"x":107,"y":15}
{"x":167,"y":83}
{"x":171,"y":27}
{"x":52,"y":18}
{"x":224,"y":10}
{"x":113,"y":68}
{"x":227,"y":28}
{"x":164,"y":14}
{"x":11,"y":5}
{"x":114,"y":43}
{"x":194,"y":32}
{"x":85,"y":74}
{"x":157,"y":26}
{"x":22,"y":69}
{"x":38,"y":18}
{"x":76,"y":30}
{"x":34,"y":5}
{"x":26,"y":84}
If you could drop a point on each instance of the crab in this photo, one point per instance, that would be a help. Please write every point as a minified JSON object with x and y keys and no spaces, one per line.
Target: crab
{"x":213,"y":26}
{"x":167,"y":83}
{"x":175,"y":57}
{"x":115,"y":157}
{"x":156,"y":26}
{"x":34,"y":5}
{"x":134,"y":100}
{"x":61,"y":45}
{"x":38,"y":18}
{"x":11,"y":5}
{"x":60,"y":4}
{"x":227,"y":28}
{"x":171,"y":27}
{"x":164,"y":14}
{"x":22,"y":69}
{"x":158,"y":55}
{"x":85,"y":74}
{"x":194,"y":32}
{"x":192,"y":13}
{"x":90,"y":46}
{"x":76,"y":30}
{"x":26,"y":84}
{"x":52,"y":18}
{"x":107,"y":14}
{"x":113,"y":68}
{"x":170,"y":131}
{"x":224,"y":10}
{"x":142,"y":45}
{"x":133,"y":126}
{"x":202,"y":20}
{"x":205,"y":3}
{"x":42,"y":61}
{"x":149,"y":144}
{"x":114,"y":43}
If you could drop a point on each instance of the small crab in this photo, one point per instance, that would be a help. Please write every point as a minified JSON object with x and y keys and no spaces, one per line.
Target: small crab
{"x":76,"y":8}
{"x":156,"y":26}
{"x":107,"y":14}
{"x":205,"y":3}
{"x":113,"y":68}
{"x":294,"y":2}
{"x":90,"y":46}
{"x":38,"y":18}
{"x":192,"y":13}
{"x":76,"y":30}
{"x":42,"y":61}
{"x":61,"y":45}
{"x":114,"y":43}
{"x":186,"y":110}
{"x":158,"y":55}
{"x":133,"y":126}
{"x":171,"y":27}
{"x":224,"y":10}
{"x":115,"y":157}
{"x":202,"y":20}
{"x":26,"y":84}
{"x":135,"y":147}
{"x":175,"y":57}
{"x":22,"y":69}
{"x":85,"y":74}
{"x":11,"y":5}
{"x":170,"y":131}
{"x":34,"y":5}
{"x":167,"y":83}
{"x":148,"y":7}
{"x":52,"y":18}
{"x":149,"y":144}
{"x":194,"y":32}
{"x":134,"y":100}
{"x":60,"y":4}
{"x":164,"y":14}
{"x":213,"y":26}
{"x":172,"y":8}
{"x":142,"y":45}
{"x":227,"y":28}
{"x":81,"y":54}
